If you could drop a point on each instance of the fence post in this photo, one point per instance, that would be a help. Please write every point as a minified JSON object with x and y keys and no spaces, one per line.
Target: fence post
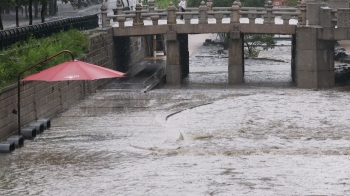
{"x":210,"y":5}
{"x":269,"y":18}
{"x":119,"y":7}
{"x":236,"y":5}
{"x":105,"y":21}
{"x":151,"y":6}
{"x":138,"y":18}
{"x":203,"y":14}
{"x":210,"y":8}
{"x":171,"y":14}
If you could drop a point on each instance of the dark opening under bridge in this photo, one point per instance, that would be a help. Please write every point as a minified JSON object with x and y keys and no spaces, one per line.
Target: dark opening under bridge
{"x":314,"y":28}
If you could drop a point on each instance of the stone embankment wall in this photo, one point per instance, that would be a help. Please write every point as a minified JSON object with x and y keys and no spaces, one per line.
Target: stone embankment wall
{"x":129,"y":51}
{"x":45,"y":99}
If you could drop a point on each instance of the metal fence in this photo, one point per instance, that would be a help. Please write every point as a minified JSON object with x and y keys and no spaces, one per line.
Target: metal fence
{"x":14,"y":35}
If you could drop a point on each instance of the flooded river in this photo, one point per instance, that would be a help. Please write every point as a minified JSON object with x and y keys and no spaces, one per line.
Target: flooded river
{"x":264,"y":137}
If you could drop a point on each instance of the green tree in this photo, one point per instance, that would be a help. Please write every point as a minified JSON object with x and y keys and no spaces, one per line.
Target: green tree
{"x":253,"y":43}
{"x":253,"y":3}
{"x":165,"y":3}
{"x":193,"y":3}
{"x":291,"y":3}
{"x":222,"y":3}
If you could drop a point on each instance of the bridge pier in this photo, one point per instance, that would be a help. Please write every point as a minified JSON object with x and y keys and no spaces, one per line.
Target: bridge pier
{"x":173,"y":65}
{"x":314,"y":59}
{"x":236,"y":58}
{"x":177,"y":62}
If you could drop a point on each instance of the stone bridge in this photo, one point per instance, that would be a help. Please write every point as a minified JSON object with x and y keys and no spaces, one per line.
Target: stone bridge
{"x":314,"y":28}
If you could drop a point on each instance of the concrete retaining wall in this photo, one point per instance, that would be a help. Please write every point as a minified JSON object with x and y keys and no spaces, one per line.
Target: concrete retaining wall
{"x":45,"y":99}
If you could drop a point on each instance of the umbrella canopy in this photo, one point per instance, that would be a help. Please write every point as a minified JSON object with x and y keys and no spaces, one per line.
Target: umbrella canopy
{"x":74,"y":70}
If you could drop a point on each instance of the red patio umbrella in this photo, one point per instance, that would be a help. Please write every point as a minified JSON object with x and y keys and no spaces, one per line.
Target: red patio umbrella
{"x":71,"y":70}
{"x":74,"y":70}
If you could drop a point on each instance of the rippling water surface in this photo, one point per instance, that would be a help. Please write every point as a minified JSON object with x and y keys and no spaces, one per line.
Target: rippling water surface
{"x":264,"y":137}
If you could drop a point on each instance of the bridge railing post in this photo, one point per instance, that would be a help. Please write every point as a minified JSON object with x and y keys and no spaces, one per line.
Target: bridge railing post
{"x":236,"y":5}
{"x":218,"y":17}
{"x":155,"y":19}
{"x":203,"y":14}
{"x":251,"y":18}
{"x":269,"y":18}
{"x":138,"y":18}
{"x":171,"y":14}
{"x":151,"y":6}
{"x":187,"y":18}
{"x":210,"y":7}
{"x":302,"y":10}
{"x":119,"y":7}
{"x":121,"y":21}
{"x":286,"y":19}
{"x":105,"y":20}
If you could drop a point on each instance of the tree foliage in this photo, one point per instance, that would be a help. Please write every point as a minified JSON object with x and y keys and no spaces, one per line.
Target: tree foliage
{"x":291,"y":3}
{"x":193,"y":3}
{"x":35,"y":50}
{"x":253,"y":3}
{"x":165,"y":3}
{"x":253,"y":43}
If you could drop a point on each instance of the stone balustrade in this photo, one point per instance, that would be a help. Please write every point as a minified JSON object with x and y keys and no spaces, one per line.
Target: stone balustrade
{"x":203,"y":13}
{"x":318,"y":14}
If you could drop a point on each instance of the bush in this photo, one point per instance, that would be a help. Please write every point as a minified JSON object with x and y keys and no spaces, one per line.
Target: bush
{"x":253,"y":42}
{"x":21,"y":56}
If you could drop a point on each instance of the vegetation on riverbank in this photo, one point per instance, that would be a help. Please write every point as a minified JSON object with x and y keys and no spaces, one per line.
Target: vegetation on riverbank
{"x":23,"y":55}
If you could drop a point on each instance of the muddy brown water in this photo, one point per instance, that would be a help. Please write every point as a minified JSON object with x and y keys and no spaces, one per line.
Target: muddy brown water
{"x":264,"y":137}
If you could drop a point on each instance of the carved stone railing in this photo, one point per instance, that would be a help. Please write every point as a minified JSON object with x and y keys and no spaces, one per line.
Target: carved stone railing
{"x":286,"y":13}
{"x":204,"y":13}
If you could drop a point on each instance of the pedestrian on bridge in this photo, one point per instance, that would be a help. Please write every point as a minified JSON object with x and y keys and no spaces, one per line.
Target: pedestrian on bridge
{"x":182,"y":7}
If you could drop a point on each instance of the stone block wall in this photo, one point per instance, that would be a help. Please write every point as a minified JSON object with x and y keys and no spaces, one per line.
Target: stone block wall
{"x":38,"y":100}
{"x":314,"y":59}
{"x":129,"y":51}
{"x":45,"y":99}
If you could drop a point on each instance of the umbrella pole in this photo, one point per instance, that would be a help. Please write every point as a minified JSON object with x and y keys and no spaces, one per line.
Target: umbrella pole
{"x":19,"y":84}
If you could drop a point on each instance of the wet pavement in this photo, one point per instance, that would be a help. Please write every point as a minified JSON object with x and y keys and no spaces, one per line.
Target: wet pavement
{"x":263,"y":137}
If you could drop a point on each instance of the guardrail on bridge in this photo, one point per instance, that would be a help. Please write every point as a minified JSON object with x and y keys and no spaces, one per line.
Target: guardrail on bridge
{"x":204,"y":12}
